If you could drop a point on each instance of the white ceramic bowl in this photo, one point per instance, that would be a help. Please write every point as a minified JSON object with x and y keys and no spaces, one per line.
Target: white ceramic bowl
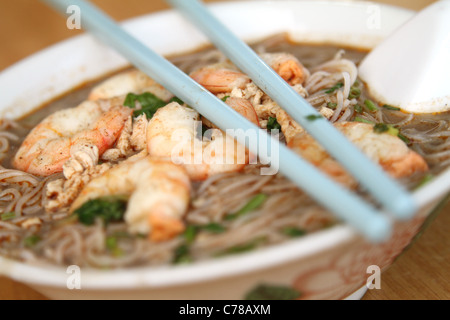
{"x":329,"y":264}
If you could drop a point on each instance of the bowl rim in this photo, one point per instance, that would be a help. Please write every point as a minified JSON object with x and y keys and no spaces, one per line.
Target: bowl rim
{"x":165,"y":276}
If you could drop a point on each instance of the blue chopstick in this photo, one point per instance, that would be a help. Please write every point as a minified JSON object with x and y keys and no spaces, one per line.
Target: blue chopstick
{"x":387,"y":191}
{"x":375,"y":226}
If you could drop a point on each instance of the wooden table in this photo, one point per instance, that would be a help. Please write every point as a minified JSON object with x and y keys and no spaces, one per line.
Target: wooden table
{"x":28,"y":26}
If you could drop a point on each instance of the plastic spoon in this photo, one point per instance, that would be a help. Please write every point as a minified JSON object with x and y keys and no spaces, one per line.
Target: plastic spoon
{"x":411,"y":68}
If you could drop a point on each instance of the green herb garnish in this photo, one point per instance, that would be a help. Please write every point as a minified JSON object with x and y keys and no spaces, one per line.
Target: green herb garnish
{"x":31,"y":241}
{"x":107,"y":208}
{"x":355,"y":93}
{"x":385,"y":128}
{"x":272,"y":124}
{"x":182,"y":255}
{"x":190,"y":233}
{"x":405,"y":139}
{"x":314,"y":117}
{"x":293,"y":232}
{"x":359,"y":119}
{"x":332,"y":105}
{"x":8,"y":216}
{"x":214,"y":228}
{"x":358,"y":108}
{"x":427,"y":179}
{"x":386,"y":106}
{"x":111,"y":244}
{"x":370,"y":105}
{"x":249,"y":246}
{"x":149,"y":102}
{"x":256,"y":202}
{"x":380,"y":128}
{"x":177,"y":100}
{"x":224,"y":99}
{"x":270,"y":292}
{"x":336,"y":87}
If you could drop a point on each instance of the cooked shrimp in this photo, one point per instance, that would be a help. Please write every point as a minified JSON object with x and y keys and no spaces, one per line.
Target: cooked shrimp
{"x":245,"y":108}
{"x":80,"y":134}
{"x":173,"y":132}
{"x":220,"y":78}
{"x":242,"y":106}
{"x":287,"y":66}
{"x":389,"y":151}
{"x":133,"y":81}
{"x":159,"y":193}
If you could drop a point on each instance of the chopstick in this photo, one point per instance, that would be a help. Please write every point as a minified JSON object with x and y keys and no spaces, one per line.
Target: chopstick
{"x":374,"y":225}
{"x":387,"y":191}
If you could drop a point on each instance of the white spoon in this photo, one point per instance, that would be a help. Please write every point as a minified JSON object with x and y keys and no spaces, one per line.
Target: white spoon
{"x":411,"y":68}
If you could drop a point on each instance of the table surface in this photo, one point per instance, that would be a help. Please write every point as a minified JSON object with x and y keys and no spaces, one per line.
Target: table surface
{"x":422,"y":272}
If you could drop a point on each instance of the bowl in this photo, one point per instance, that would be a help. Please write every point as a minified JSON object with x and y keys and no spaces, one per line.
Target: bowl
{"x":335,"y":263}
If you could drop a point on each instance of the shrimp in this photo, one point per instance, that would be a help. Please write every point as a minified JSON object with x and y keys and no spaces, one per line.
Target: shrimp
{"x":158,"y":191}
{"x":133,"y":81}
{"x":173,"y":132}
{"x":287,"y":66}
{"x":77,"y":134}
{"x":243,"y":107}
{"x":220,"y":78}
{"x":389,"y":151}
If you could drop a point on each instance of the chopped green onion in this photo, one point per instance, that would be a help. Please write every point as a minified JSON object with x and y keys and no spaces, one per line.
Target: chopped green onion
{"x":332,"y":105}
{"x":149,"y":102}
{"x":355,"y":93}
{"x":427,"y":179}
{"x":293,"y":232}
{"x":333,"y":89}
{"x":112,"y":245}
{"x":358,"y":119}
{"x":405,"y":139}
{"x":242,"y":248}
{"x":314,"y":117}
{"x":182,"y":255}
{"x":386,"y":106}
{"x":224,"y":99}
{"x":380,"y":128}
{"x":272,"y":124}
{"x":214,"y":228}
{"x":270,"y":292}
{"x":256,"y":202}
{"x":385,"y":128}
{"x":190,"y":233}
{"x":393,"y":131}
{"x":370,"y":105}
{"x":8,"y":216}
{"x":31,"y":241}
{"x":358,"y":108}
